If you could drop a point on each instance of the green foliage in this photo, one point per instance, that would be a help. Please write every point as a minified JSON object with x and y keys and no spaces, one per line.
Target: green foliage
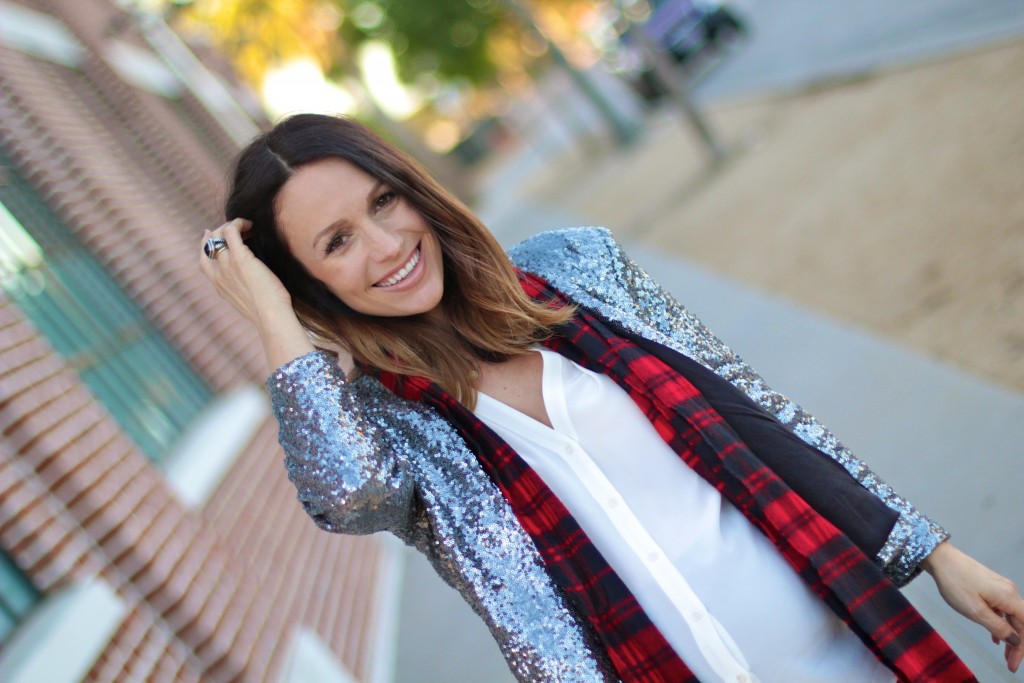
{"x":447,"y":38}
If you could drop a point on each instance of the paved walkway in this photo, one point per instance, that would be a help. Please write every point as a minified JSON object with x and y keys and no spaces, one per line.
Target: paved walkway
{"x":795,"y":43}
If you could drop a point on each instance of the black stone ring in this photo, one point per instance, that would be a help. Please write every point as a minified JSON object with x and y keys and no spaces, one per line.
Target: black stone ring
{"x":214,"y":246}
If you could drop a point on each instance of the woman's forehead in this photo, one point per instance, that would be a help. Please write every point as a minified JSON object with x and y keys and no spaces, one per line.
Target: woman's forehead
{"x":320,"y":193}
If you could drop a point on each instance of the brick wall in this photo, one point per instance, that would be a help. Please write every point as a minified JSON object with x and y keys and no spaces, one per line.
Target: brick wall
{"x":212,"y":594}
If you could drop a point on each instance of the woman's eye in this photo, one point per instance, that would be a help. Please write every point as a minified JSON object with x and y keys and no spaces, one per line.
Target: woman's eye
{"x":384,"y":199}
{"x":334,"y":243}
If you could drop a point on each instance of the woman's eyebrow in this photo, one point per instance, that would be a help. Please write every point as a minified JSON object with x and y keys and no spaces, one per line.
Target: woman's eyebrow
{"x":340,"y":223}
{"x":343,"y":222}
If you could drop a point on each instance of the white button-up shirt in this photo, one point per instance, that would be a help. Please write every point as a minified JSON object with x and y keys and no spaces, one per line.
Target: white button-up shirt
{"x":716,"y":588}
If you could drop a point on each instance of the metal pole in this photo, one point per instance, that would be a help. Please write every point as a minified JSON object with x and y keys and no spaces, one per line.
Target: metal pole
{"x":625,"y":130}
{"x":667,"y":76}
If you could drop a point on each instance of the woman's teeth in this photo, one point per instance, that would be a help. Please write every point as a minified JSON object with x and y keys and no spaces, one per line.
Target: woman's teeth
{"x":403,"y":273}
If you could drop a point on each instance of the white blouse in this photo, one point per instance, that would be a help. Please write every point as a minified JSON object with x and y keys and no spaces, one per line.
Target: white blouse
{"x":716,"y":587}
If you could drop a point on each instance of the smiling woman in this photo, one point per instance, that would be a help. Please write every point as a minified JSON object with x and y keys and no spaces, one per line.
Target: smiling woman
{"x":376,"y":252}
{"x":609,"y":485}
{"x":369,"y":249}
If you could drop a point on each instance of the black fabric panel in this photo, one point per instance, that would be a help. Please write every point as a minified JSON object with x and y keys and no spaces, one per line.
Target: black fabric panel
{"x":815,"y":476}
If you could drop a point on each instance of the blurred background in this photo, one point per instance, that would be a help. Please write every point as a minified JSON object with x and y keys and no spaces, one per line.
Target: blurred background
{"x":836,"y":188}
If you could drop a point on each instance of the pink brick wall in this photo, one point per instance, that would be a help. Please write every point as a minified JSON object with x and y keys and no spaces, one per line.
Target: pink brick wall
{"x":213,"y":594}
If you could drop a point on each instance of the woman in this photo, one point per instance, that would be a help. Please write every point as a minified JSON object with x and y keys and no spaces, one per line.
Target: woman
{"x":610,"y":487}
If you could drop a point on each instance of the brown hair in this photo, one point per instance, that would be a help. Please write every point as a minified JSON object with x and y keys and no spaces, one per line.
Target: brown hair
{"x":489,"y":317}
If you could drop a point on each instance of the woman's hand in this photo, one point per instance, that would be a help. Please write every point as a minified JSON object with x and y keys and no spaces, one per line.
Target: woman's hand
{"x":253,"y":290}
{"x":240,"y":278}
{"x":981,"y":595}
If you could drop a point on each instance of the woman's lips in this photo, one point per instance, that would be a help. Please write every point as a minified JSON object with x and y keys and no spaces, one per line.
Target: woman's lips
{"x":404,"y":272}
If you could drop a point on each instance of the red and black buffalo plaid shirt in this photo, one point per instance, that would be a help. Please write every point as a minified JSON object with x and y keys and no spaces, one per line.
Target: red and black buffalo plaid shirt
{"x":838,"y":572}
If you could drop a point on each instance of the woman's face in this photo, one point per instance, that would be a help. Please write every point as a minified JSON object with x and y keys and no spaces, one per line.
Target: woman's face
{"x":371,"y":248}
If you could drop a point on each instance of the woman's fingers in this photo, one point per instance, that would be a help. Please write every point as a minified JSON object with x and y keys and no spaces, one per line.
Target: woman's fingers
{"x":241,"y":279}
{"x":1014,"y":646}
{"x":1009,"y":604}
{"x":223,"y":269}
{"x":981,"y":595}
{"x":232,"y":232}
{"x":983,"y":609}
{"x":999,"y":627}
{"x":1002,"y":614}
{"x":1014,"y":656}
{"x":248,"y":285}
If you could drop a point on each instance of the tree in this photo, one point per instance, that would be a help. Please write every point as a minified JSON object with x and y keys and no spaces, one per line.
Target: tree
{"x":447,"y":39}
{"x":262,"y":34}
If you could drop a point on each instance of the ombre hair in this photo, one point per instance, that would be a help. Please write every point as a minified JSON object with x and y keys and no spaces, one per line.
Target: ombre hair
{"x":489,"y":317}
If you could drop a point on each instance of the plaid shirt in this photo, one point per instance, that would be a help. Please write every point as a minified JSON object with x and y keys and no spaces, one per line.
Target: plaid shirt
{"x":838,"y":572}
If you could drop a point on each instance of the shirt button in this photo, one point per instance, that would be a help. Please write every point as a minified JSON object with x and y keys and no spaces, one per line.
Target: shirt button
{"x":568,"y":450}
{"x":612,"y":503}
{"x":653,"y":556}
{"x":697,"y":616}
{"x":742,"y":678}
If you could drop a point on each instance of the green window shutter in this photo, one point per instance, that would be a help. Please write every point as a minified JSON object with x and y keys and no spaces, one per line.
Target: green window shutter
{"x":126,"y":363}
{"x":17,"y":597}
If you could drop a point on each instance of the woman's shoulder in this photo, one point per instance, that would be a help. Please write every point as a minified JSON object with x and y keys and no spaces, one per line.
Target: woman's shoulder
{"x":582,"y":236}
{"x":574,"y":249}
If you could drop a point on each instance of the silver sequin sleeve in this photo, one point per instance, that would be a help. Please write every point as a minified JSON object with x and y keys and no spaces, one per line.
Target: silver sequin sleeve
{"x":606,"y":280}
{"x":349,"y":478}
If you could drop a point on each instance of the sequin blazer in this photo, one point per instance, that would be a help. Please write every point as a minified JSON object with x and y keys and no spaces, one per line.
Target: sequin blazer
{"x":364,"y":460}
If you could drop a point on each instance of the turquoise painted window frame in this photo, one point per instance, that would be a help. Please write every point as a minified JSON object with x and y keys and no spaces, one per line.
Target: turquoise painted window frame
{"x":64,"y":291}
{"x":18,"y":597}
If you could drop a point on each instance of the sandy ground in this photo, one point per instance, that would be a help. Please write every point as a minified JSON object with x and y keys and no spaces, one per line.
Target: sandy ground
{"x":893,"y":201}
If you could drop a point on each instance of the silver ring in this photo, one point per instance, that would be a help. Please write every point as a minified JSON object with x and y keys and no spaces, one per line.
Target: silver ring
{"x":214,"y":246}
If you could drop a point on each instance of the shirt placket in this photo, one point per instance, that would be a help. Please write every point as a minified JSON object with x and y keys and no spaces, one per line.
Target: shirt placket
{"x":635,"y":537}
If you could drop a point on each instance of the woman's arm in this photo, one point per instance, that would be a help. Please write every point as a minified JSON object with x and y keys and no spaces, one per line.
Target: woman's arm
{"x":915,"y":543}
{"x":341,"y":442}
{"x":591,"y":267}
{"x":912,"y":538}
{"x":340,"y":452}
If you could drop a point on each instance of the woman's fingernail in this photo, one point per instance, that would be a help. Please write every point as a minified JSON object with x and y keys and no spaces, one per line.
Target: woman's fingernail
{"x":1013,"y":639}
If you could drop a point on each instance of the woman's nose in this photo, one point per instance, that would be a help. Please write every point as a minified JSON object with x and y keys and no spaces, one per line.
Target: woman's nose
{"x":385,"y":244}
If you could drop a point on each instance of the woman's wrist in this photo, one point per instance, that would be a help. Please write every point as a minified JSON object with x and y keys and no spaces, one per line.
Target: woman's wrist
{"x":283,"y":336}
{"x":938,"y":556}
